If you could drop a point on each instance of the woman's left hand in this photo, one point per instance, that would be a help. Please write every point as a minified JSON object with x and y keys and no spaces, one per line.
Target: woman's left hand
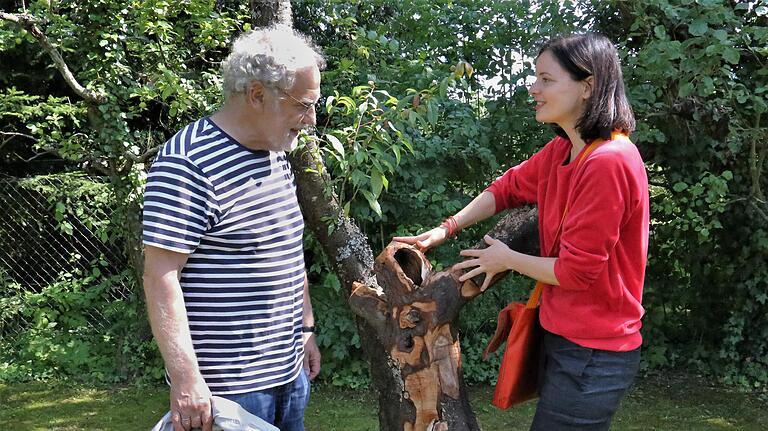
{"x":491,"y":261}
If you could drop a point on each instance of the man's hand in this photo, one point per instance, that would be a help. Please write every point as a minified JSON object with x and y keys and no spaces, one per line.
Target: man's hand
{"x":311,"y":356}
{"x":191,"y":405}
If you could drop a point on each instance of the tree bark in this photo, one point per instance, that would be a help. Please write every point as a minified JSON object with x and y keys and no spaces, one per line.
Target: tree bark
{"x":406,"y":312}
{"x":268,"y":12}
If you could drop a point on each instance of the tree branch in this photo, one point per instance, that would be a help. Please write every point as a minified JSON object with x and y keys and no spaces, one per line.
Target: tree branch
{"x":759,"y":210}
{"x":519,"y":230}
{"x":342,"y":241}
{"x":137,"y":159}
{"x":149,"y":153}
{"x":11,"y":135}
{"x":14,"y":134}
{"x":143,"y":157}
{"x":31,"y":24}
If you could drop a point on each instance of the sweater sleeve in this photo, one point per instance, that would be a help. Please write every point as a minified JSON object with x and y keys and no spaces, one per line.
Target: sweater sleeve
{"x":518,"y":185}
{"x":598,"y":208}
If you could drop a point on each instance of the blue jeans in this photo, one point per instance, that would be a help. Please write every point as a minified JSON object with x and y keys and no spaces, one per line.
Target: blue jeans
{"x":581,"y":388}
{"x":282,"y":406}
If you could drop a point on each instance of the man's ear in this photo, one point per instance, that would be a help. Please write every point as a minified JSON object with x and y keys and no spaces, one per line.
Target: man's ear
{"x":255,"y":94}
{"x":589,"y":82}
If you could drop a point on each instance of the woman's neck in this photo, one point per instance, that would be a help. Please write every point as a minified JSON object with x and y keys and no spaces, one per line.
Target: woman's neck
{"x":577,"y":144}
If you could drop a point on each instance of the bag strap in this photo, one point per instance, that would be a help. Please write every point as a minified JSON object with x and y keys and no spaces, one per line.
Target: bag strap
{"x":533,"y":300}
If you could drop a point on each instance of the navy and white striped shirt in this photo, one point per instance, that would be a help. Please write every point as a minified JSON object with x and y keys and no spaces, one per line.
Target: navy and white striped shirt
{"x":235,"y":212}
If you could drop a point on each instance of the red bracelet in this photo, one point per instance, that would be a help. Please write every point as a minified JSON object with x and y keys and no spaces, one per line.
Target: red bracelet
{"x":451,"y":225}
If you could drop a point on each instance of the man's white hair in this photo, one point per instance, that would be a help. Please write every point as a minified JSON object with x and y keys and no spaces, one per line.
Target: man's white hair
{"x":271,"y":56}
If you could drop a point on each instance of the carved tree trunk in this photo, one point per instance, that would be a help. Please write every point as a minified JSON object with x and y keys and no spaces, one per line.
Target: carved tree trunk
{"x":406,"y":313}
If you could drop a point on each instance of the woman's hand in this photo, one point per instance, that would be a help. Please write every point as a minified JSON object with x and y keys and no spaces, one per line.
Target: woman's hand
{"x":426,"y":240}
{"x":491,"y":261}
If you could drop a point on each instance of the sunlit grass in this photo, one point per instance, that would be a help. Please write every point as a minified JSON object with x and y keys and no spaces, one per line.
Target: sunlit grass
{"x":663,"y":403}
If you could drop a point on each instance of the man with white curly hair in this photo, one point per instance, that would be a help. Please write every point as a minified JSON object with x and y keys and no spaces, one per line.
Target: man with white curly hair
{"x":224,"y":269}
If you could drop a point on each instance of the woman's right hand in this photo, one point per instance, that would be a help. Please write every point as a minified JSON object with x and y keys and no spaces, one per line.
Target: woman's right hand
{"x":425,"y":241}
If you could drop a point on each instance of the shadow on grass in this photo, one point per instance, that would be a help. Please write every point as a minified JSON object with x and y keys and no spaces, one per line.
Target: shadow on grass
{"x":39,"y":406}
{"x":671,"y":402}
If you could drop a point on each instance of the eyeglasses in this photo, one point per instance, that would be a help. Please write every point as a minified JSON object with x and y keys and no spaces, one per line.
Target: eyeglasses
{"x":305,"y":105}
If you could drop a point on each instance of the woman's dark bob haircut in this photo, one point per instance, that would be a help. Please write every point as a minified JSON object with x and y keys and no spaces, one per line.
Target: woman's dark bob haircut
{"x":607,"y":109}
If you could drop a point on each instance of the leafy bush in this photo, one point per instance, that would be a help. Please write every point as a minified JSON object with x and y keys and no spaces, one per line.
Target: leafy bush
{"x":79,"y":316}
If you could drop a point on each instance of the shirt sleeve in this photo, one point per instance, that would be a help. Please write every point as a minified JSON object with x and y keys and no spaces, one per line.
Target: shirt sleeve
{"x":179,"y":205}
{"x":519,"y":185}
{"x":600,"y":204}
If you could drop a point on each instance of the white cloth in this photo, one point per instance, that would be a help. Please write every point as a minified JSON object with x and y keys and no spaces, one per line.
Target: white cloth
{"x":227,"y":416}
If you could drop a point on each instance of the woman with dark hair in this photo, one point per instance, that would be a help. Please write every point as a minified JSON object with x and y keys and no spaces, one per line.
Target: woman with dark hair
{"x":591,"y":189}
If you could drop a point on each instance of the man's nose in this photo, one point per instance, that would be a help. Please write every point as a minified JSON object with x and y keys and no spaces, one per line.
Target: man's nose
{"x":310,"y":117}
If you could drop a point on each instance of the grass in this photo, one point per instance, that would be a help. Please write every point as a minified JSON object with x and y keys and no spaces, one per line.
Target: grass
{"x":669,"y":403}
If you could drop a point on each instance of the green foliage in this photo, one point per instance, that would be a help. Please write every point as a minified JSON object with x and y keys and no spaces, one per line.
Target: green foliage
{"x":47,"y":119}
{"x":75,"y":197}
{"x":87,"y":323}
{"x":362,"y":154}
{"x":61,"y":342}
{"x":152,"y":59}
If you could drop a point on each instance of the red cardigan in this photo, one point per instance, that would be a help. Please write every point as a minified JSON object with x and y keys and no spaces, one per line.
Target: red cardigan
{"x":603,"y":247}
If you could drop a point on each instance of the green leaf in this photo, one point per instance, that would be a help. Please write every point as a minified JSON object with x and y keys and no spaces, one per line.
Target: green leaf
{"x":396,"y":151}
{"x":372,"y":202}
{"x":431,"y":113}
{"x":759,"y":104}
{"x":336,"y":144}
{"x":679,"y":187}
{"x":376,"y":184}
{"x":731,"y":55}
{"x":698,"y":27}
{"x":685,"y":90}
{"x":720,"y":35}
{"x":412,"y":117}
{"x":375,"y":206}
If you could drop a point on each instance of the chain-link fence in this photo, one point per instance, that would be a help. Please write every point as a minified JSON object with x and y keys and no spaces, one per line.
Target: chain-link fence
{"x":54,"y":237}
